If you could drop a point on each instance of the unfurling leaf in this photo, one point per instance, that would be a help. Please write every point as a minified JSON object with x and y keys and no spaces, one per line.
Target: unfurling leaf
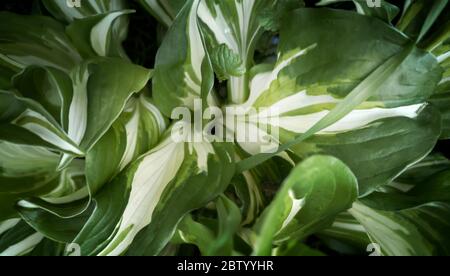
{"x":226,"y":63}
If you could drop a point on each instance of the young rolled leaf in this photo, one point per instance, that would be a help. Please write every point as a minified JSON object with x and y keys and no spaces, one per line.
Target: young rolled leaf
{"x":229,"y":217}
{"x":97,"y":36}
{"x":312,"y":195}
{"x":98,"y":27}
{"x":191,"y":232}
{"x":210,"y":243}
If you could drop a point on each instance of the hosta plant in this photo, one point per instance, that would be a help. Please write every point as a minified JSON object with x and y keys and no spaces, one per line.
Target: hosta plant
{"x":355,"y":101}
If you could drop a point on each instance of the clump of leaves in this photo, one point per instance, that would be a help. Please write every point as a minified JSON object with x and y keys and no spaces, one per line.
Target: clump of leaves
{"x":87,"y":161}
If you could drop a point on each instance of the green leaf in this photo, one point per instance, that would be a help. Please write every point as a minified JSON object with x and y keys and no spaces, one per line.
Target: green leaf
{"x":48,"y":248}
{"x":164,"y":10}
{"x":386,"y":12}
{"x":95,"y":81}
{"x":96,"y":22}
{"x":53,"y":227}
{"x":311,"y":96}
{"x":66,"y":193}
{"x":191,"y":188}
{"x":143,"y":181}
{"x":384,"y":148}
{"x":441,"y":97}
{"x":295,"y":248}
{"x":178,"y":78}
{"x":35,"y":40}
{"x":63,"y":12}
{"x":237,"y":25}
{"x":16,"y":160}
{"x":421,"y":231}
{"x":17,"y":238}
{"x":10,"y":108}
{"x":229,"y":217}
{"x":419,"y":17}
{"x":424,"y":183}
{"x":210,"y":243}
{"x":271,"y":16}
{"x":438,"y":189}
{"x":110,"y":202}
{"x":84,"y":114}
{"x":226,"y":63}
{"x":5,"y":76}
{"x":347,"y":231}
{"x":144,"y":125}
{"x":249,"y":192}
{"x":313,"y":194}
{"x":44,"y":127}
{"x":51,"y":88}
{"x":18,"y":135}
{"x":433,"y":164}
{"x":25,"y":171}
{"x":7,"y":204}
{"x":103,"y":161}
{"x":192,"y":232}
{"x":136,"y":131}
{"x":94,"y":35}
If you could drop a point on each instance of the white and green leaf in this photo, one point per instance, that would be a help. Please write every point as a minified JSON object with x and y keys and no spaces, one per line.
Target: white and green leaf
{"x":311,"y":99}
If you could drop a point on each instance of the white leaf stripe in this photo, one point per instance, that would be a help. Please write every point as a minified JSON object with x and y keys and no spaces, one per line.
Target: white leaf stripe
{"x":443,"y":57}
{"x":197,"y":52}
{"x":40,"y":126}
{"x":8,"y":224}
{"x":192,"y":77}
{"x":354,"y":120}
{"x":132,"y":130}
{"x":236,"y":26}
{"x":203,"y":150}
{"x":25,"y":160}
{"x":261,"y":82}
{"x":382,"y":227}
{"x":102,"y":31}
{"x":152,"y":175}
{"x":79,"y":105}
{"x":140,"y":109}
{"x":234,"y":34}
{"x":277,"y":113}
{"x":155,"y":113}
{"x":297,"y":204}
{"x":23,"y":247}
